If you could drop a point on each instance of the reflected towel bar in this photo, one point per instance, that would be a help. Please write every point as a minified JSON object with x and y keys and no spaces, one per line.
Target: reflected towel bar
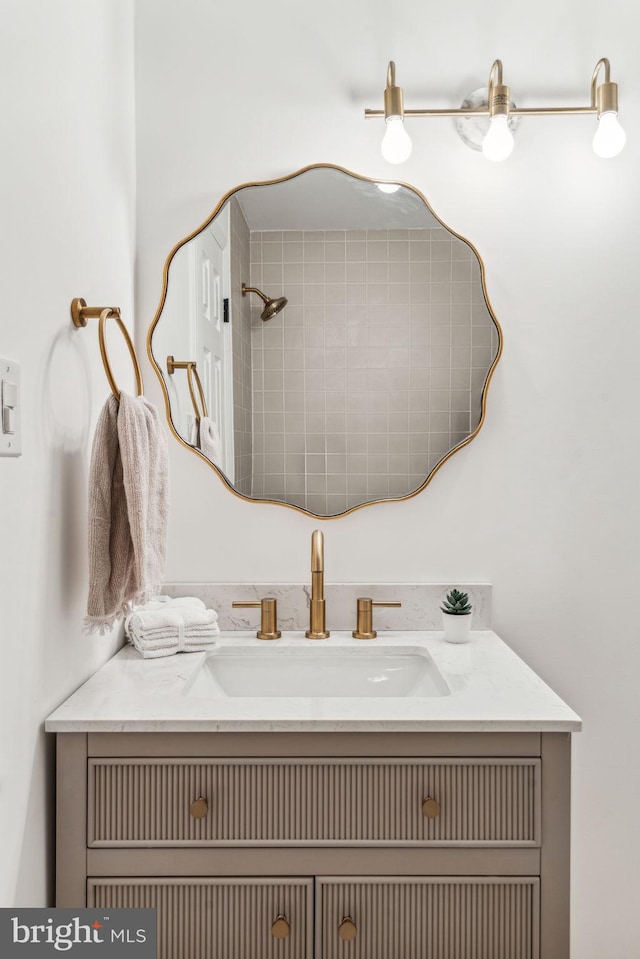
{"x":192,"y":374}
{"x":80,"y":313}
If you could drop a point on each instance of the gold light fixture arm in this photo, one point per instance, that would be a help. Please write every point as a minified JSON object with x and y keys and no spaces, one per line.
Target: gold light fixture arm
{"x":498,"y":93}
{"x":496,"y":74}
{"x":80,"y":313}
{"x":604,"y":98}
{"x":393,"y":99}
{"x":602,"y":64}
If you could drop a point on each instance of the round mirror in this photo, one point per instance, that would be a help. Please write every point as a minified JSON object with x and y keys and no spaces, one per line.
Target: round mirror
{"x":325,"y":341}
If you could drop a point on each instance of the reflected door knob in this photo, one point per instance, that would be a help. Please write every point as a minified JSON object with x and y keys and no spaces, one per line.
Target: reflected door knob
{"x":430,"y":807}
{"x":199,"y":808}
{"x":280,"y":928}
{"x":347,"y":929}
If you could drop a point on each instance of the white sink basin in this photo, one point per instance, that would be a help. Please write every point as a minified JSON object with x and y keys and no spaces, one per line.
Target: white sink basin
{"x":316,"y":670}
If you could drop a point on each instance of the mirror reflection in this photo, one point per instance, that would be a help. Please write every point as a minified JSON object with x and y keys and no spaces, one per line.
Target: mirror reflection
{"x":324,"y":342}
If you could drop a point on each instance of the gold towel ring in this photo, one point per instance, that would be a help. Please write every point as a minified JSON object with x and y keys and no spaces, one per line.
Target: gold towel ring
{"x":80,"y":312}
{"x":115,"y":314}
{"x":192,"y":374}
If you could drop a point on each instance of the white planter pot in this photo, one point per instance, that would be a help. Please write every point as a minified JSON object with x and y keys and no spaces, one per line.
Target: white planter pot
{"x":456,"y":628}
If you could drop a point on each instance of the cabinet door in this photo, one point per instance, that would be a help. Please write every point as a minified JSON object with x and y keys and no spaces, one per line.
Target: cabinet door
{"x":434,"y":918}
{"x":219,"y":918}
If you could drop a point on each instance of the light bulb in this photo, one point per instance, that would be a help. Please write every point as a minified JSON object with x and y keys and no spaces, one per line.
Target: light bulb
{"x":388,"y":187}
{"x":498,"y":143}
{"x":609,"y":138}
{"x":396,"y":143}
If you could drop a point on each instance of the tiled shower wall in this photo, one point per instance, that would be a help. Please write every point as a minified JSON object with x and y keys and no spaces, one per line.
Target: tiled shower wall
{"x":375,"y":368}
{"x":241,"y":349}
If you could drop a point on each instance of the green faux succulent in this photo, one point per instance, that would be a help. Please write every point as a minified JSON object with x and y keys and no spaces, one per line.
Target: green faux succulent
{"x":457,"y":604}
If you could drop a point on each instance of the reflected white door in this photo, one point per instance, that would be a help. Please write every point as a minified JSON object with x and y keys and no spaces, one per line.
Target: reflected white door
{"x":213,"y":335}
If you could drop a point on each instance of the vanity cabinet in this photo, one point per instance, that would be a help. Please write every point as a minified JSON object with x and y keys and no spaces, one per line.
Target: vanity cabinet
{"x":331,"y":846}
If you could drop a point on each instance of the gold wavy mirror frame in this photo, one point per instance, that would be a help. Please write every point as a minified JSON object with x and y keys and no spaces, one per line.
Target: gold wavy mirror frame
{"x":344,"y":337}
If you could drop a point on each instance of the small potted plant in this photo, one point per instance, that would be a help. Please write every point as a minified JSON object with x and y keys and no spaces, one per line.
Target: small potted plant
{"x":456,"y":617}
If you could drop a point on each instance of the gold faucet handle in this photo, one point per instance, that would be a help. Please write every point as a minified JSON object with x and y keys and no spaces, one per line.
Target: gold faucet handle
{"x":364,"y":627}
{"x":268,"y":618}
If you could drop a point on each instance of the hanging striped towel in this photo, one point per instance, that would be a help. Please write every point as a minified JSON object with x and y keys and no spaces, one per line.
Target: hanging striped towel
{"x":128,"y":505}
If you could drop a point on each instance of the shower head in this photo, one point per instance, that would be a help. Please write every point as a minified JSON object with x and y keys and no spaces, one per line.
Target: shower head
{"x":271,"y":307}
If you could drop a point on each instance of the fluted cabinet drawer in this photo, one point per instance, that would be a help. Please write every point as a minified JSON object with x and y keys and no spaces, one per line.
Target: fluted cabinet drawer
{"x":216,"y":918}
{"x":435,"y":918}
{"x":306,"y":802}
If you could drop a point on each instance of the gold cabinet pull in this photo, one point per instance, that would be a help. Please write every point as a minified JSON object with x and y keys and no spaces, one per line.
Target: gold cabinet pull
{"x":199,"y":808}
{"x":347,"y":929}
{"x":280,"y":928}
{"x":364,"y":625}
{"x":430,"y":807}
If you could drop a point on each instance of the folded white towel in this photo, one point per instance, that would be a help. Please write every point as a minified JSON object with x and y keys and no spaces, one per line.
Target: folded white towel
{"x":157,"y":653}
{"x":162,"y":613}
{"x":165,"y":626}
{"x":173,"y":642}
{"x":154,"y":616}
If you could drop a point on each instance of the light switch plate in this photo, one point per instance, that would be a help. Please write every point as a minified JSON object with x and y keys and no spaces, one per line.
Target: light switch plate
{"x":10,"y":398}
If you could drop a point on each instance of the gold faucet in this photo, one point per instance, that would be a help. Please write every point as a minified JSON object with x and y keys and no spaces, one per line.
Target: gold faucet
{"x":317,"y":628}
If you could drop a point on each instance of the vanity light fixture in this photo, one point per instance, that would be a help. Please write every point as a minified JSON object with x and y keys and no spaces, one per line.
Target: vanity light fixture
{"x":496,"y":105}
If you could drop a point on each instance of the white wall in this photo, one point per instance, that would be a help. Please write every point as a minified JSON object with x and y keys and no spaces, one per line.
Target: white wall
{"x":545,"y":503}
{"x":67,"y":195}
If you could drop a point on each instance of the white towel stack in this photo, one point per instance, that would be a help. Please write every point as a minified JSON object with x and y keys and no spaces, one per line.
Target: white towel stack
{"x":165,"y":626}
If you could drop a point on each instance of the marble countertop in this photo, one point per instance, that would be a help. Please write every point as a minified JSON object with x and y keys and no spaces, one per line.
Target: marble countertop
{"x":491,"y":690}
